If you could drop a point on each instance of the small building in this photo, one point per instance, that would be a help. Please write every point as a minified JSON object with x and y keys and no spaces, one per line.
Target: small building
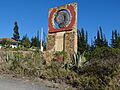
{"x":8,"y":41}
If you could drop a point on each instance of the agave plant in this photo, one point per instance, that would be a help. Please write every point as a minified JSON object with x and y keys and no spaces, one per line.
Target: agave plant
{"x":79,"y":59}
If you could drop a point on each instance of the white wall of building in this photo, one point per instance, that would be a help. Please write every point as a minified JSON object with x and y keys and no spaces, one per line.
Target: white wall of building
{"x":13,"y":46}
{"x":0,"y":47}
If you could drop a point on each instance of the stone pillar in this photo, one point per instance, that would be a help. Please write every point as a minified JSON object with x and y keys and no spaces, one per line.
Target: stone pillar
{"x":62,"y":30}
{"x":71,"y":42}
{"x":50,"y":41}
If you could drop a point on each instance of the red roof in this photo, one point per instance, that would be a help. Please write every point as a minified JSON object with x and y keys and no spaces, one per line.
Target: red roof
{"x":8,"y":39}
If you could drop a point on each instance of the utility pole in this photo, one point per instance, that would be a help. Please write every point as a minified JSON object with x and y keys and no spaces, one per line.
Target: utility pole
{"x":41,"y":38}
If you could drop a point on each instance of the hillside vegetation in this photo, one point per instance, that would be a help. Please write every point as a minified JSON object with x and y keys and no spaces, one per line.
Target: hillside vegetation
{"x":99,"y":72}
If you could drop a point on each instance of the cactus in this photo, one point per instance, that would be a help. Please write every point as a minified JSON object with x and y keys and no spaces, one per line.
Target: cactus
{"x":79,"y":59}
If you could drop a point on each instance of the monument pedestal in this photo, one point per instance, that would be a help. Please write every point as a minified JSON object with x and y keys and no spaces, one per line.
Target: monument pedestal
{"x":62,"y":30}
{"x":62,"y":41}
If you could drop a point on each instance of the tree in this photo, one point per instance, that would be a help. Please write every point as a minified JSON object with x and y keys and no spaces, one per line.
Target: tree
{"x":35,"y":42}
{"x":92,"y":46}
{"x":16,"y":32}
{"x":82,"y":41}
{"x":38,"y":42}
{"x":25,"y":41}
{"x":100,"y":40}
{"x":115,"y":41}
{"x":6,"y":43}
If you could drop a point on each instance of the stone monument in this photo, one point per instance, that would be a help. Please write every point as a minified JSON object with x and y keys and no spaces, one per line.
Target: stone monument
{"x":62,"y":29}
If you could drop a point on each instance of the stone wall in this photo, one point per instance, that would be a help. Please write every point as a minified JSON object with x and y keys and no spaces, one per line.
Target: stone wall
{"x":50,"y":41}
{"x":70,"y":42}
{"x":48,"y":55}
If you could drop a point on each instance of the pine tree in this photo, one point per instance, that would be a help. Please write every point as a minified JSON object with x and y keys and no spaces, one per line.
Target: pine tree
{"x":100,"y":40}
{"x":115,"y":41}
{"x":92,"y":47}
{"x":16,"y":35}
{"x":25,"y":41}
{"x":38,"y":43}
{"x":82,"y":41}
{"x":105,"y":43}
{"x":34,"y":42}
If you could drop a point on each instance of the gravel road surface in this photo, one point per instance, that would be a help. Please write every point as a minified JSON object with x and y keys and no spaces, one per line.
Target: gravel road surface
{"x":12,"y":84}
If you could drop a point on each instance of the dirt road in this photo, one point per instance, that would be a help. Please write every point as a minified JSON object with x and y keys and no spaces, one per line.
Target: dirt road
{"x":12,"y":84}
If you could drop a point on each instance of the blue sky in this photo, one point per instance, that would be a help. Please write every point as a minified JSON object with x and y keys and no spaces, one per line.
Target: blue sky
{"x":31,"y":15}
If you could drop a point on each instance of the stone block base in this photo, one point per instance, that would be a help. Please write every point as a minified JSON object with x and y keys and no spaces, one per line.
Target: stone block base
{"x":62,"y":41}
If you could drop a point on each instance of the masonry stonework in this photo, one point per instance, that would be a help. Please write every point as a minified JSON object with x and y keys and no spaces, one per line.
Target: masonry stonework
{"x":50,"y":41}
{"x":70,"y":42}
{"x":62,"y":30}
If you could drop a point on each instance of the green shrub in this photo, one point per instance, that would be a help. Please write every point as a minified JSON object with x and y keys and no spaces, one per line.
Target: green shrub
{"x":97,"y":73}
